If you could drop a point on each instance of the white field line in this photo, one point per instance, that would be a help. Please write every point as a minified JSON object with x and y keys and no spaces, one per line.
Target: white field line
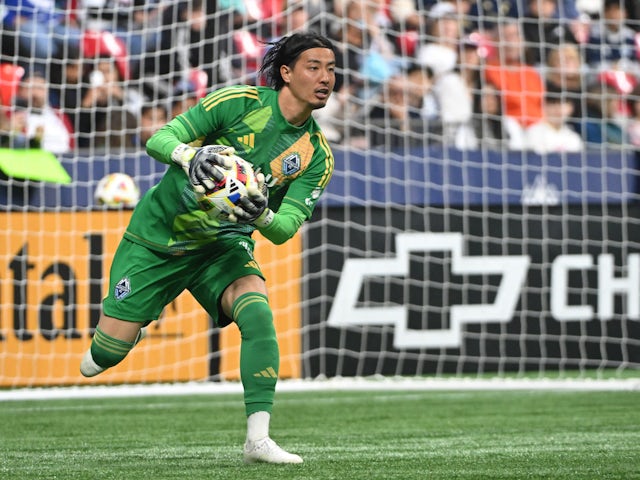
{"x":342,"y":383}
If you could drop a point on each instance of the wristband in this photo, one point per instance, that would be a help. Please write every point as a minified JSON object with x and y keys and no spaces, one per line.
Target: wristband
{"x":265,"y":218}
{"x":182,"y":153}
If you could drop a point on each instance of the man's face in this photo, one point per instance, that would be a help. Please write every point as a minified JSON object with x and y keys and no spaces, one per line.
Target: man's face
{"x":151,"y":121}
{"x":19,"y":120}
{"x":511,"y":43}
{"x":543,"y":8}
{"x":312,"y":77}
{"x":35,"y":89}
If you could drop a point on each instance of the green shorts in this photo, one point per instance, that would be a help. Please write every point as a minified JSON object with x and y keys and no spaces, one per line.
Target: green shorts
{"x":143,"y":281}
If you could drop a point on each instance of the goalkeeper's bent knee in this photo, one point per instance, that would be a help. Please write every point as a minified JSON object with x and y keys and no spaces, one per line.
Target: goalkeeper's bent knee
{"x":252,"y":314}
{"x":90,"y":368}
{"x":106,"y":351}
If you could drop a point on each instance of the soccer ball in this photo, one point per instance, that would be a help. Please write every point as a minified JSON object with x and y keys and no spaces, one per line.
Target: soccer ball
{"x":226,"y":194}
{"x":117,"y":190}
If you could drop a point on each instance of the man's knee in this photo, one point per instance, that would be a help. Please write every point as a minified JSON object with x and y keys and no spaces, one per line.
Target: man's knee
{"x":254,"y":317}
{"x":109,"y":349}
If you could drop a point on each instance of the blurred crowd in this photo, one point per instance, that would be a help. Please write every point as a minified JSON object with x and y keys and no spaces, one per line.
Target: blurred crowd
{"x":541,"y":75}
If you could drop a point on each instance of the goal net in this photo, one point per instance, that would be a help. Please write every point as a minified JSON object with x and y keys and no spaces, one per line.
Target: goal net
{"x":455,"y":239}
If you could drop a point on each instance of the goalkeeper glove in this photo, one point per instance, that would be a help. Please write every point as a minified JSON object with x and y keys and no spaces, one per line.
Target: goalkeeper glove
{"x":202,"y":165}
{"x":253,"y":208}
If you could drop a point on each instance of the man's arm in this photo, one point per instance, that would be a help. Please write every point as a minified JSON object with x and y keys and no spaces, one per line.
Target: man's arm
{"x":201,"y":164}
{"x":283,"y":225}
{"x":164,"y":142}
{"x":276,"y":227}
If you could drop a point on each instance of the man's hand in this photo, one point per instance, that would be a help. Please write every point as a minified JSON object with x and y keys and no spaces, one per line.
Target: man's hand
{"x":254,"y":205}
{"x":202,"y":165}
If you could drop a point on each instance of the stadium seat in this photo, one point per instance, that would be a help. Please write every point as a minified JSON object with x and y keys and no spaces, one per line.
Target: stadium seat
{"x":10,"y":76}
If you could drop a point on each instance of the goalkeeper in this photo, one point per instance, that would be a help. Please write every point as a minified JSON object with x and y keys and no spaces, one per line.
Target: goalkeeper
{"x":171,"y":245}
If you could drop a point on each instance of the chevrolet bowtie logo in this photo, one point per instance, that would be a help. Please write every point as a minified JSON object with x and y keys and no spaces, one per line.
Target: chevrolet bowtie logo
{"x":345,"y":312}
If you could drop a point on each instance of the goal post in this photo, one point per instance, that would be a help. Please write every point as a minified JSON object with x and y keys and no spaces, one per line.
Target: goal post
{"x":421,"y":260}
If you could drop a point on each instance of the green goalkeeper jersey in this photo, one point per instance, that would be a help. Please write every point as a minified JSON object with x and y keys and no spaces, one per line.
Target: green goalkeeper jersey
{"x":296,"y":161}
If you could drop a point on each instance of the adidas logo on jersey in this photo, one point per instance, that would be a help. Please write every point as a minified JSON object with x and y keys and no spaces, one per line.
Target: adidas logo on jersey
{"x":248,"y":141}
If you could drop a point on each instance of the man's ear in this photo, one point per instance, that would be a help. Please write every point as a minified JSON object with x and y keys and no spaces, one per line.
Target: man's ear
{"x":285,"y":73}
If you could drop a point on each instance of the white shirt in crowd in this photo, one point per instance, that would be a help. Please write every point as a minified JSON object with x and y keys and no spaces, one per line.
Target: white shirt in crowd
{"x":542,"y":137}
{"x":56,"y":137}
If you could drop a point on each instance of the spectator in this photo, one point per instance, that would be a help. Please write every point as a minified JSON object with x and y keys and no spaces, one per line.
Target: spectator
{"x":484,"y":15}
{"x":611,"y":44}
{"x":469,"y":83}
{"x":601,"y":124}
{"x":105,"y":116}
{"x":134,"y":22}
{"x":377,"y":58}
{"x":490,"y":129}
{"x":404,"y":27}
{"x":566,"y":72}
{"x":552,"y":134}
{"x":76,"y":90}
{"x":633,"y":14}
{"x":405,"y":105}
{"x":333,"y":122}
{"x":68,"y":90}
{"x":37,"y":31}
{"x":520,"y":84}
{"x":294,"y":18}
{"x":184,"y":97}
{"x":440,"y":53}
{"x":395,"y":119}
{"x":464,"y":11}
{"x":54,"y":125}
{"x":152,"y":117}
{"x":66,"y":75}
{"x":633,"y":126}
{"x":187,"y":40}
{"x":472,"y":57}
{"x":542,"y":28}
{"x":13,"y":126}
{"x":420,"y":79}
{"x":349,"y":38}
{"x":454,"y":69}
{"x":455,"y":103}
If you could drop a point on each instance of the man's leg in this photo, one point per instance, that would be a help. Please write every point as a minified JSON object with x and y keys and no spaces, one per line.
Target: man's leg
{"x":112,"y":341}
{"x":141,"y":283}
{"x":259,"y":364}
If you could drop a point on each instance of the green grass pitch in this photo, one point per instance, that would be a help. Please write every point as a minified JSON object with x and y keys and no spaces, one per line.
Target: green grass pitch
{"x":341,"y":435}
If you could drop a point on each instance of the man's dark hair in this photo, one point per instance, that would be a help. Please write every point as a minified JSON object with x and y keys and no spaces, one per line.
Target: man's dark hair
{"x":614,"y":3}
{"x":286,"y":52}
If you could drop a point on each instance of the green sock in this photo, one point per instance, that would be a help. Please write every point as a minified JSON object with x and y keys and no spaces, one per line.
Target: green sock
{"x":108,"y":351}
{"x":259,"y":353}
